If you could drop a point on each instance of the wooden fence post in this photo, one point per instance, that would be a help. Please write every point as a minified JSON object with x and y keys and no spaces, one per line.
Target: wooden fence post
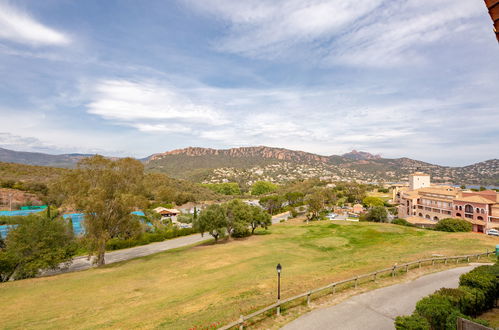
{"x":356,"y":280}
{"x":308,"y":298}
{"x":446,"y":261}
{"x":334,"y":289}
{"x":419,"y":264}
{"x":478,"y":257}
{"x":393,"y":270}
{"x":457,"y":260}
{"x":433,"y":262}
{"x":407,"y":268}
{"x":241,"y":322}
{"x":278,"y":308}
{"x":468,"y":259}
{"x":375,"y":274}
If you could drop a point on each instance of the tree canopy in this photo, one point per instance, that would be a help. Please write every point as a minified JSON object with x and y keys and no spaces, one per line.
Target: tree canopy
{"x":371,"y":201}
{"x":263,"y":187}
{"x":107,"y":191}
{"x":37,"y":243}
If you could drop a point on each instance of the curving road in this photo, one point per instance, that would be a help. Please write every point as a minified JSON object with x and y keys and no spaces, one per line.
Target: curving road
{"x":81,"y":263}
{"x":377,"y":309}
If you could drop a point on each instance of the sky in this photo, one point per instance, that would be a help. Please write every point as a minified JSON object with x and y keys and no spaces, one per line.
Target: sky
{"x":406,"y":78}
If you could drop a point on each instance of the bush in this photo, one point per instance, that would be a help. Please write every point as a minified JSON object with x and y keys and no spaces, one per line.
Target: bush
{"x":480,"y":278}
{"x":377,"y":214}
{"x":453,"y":225}
{"x":146,"y":238}
{"x":402,"y":222}
{"x":412,"y":322}
{"x":435,"y":308}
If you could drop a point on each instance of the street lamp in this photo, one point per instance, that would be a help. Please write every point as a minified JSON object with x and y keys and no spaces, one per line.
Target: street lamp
{"x":279,"y":268}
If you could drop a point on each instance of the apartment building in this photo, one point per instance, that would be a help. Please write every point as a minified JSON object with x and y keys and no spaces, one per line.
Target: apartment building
{"x":427,"y":202}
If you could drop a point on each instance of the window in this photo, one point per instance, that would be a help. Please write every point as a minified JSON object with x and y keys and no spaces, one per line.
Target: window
{"x":458,"y":215}
{"x":435,"y":218}
{"x":421,"y":215}
{"x":468,"y":209}
{"x":460,"y":208}
{"x":477,"y":210}
{"x":480,"y":218}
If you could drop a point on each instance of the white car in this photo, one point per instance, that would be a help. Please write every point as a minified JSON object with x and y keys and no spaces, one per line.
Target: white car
{"x":493,"y":232}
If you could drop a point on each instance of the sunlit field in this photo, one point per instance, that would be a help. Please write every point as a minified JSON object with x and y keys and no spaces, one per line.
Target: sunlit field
{"x":214,"y":284}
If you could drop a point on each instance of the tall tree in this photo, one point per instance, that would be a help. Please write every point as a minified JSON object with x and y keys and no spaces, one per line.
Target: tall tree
{"x":316,"y":203}
{"x":106,"y":191}
{"x":263,"y":187}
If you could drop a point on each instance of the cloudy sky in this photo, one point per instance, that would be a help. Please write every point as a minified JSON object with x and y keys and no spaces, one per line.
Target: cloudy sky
{"x":415,"y":78}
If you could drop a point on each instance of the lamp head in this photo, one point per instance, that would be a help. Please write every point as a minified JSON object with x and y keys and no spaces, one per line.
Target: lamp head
{"x":279,"y":267}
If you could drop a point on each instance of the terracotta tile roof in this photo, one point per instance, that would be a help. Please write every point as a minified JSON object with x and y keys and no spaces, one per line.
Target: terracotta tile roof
{"x":474,"y":199}
{"x":441,"y":190}
{"x":476,"y":222}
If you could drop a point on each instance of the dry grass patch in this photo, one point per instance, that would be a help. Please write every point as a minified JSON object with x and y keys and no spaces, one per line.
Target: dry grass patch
{"x":202,"y":285}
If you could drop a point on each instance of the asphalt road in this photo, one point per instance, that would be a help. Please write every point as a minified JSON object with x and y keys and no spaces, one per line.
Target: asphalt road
{"x":377,"y":309}
{"x":81,"y":263}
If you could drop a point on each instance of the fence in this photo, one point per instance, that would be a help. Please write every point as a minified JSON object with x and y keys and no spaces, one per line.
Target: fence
{"x":355,"y":281}
{"x":463,"y":324}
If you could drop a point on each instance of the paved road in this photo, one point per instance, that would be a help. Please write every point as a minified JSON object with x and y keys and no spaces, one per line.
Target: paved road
{"x":81,"y":263}
{"x":377,"y":309}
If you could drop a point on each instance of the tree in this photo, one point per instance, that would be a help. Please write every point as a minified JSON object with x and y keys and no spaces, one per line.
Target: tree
{"x":263,"y":187}
{"x":238,"y":218}
{"x":271,"y":203}
{"x":377,"y":214}
{"x":213,"y":220}
{"x":37,"y":243}
{"x":259,"y":218}
{"x":294,"y":198}
{"x":316,"y":203}
{"x":371,"y":201}
{"x":107,"y":192}
{"x":226,"y":188}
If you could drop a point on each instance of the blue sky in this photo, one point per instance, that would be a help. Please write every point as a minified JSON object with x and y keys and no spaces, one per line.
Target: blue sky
{"x":415,"y":78}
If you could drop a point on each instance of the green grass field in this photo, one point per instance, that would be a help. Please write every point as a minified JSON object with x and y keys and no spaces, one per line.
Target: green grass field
{"x":202,"y":285}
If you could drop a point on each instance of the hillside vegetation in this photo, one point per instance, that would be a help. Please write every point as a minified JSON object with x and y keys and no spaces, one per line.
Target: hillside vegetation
{"x":214,"y":284}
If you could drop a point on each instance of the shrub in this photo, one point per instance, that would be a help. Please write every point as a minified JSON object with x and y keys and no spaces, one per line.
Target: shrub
{"x":146,"y":238}
{"x":412,"y":322}
{"x":377,"y":214}
{"x":453,"y":225}
{"x":402,"y":222}
{"x":481,"y":279}
{"x":435,"y":308}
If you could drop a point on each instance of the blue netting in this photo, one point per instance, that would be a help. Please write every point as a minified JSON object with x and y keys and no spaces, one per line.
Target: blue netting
{"x":77,"y":219}
{"x":18,"y":213}
{"x":34,"y":207}
{"x":139,"y":213}
{"x":4,"y":230}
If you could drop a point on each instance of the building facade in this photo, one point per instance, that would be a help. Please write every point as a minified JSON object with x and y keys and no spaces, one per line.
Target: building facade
{"x":435,"y":202}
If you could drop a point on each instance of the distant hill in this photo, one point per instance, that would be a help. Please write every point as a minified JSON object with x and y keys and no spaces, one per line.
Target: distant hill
{"x":277,"y":164}
{"x":248,"y":164}
{"x":360,"y":155}
{"x":37,"y":158}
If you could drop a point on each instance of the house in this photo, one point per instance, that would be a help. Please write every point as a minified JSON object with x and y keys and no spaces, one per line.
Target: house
{"x":358,"y":208}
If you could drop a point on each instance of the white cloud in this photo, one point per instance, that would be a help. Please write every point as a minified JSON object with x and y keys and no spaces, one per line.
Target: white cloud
{"x":149,"y":106}
{"x":356,"y":32}
{"x":20,"y":27}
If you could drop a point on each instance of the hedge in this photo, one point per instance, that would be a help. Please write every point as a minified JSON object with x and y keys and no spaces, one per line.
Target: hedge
{"x":146,"y":238}
{"x":476,"y":294}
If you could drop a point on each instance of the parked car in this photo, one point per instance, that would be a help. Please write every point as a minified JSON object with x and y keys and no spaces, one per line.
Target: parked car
{"x":331,"y":216}
{"x":493,"y":232}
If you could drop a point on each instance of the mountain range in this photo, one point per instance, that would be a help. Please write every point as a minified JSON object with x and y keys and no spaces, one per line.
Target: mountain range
{"x":248,"y":164}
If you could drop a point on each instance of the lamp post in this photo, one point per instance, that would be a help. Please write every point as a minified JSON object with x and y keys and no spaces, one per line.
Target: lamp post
{"x":278,"y":268}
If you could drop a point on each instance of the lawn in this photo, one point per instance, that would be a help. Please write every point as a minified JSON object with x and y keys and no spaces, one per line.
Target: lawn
{"x":202,"y":285}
